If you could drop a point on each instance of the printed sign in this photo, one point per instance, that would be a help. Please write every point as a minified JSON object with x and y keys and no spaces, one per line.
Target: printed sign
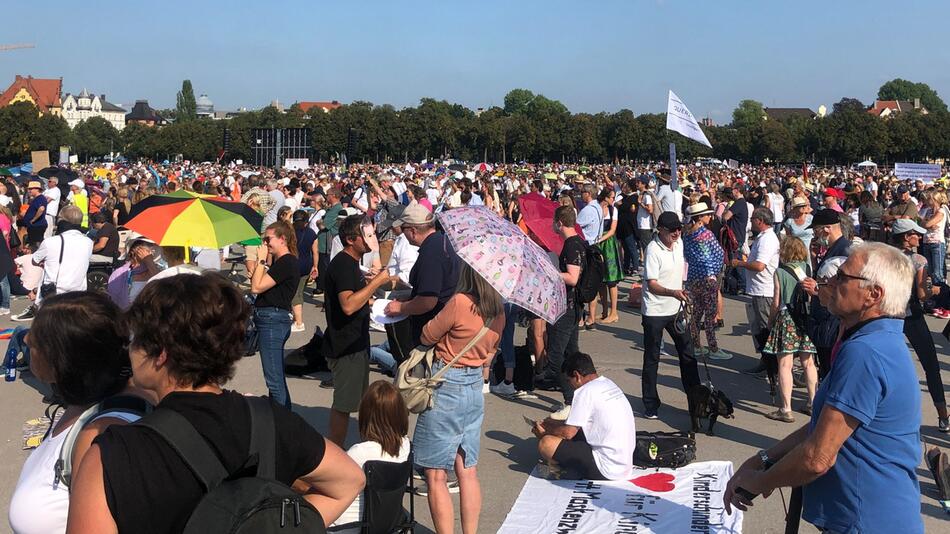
{"x":917,"y":171}
{"x":296,"y":164}
{"x":685,"y":500}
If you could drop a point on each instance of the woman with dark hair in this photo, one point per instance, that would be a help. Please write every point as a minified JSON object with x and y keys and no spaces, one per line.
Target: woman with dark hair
{"x":275,"y":281}
{"x":77,"y":345}
{"x":307,"y":253}
{"x":447,"y":435}
{"x":384,"y":426}
{"x":906,"y":235}
{"x":610,"y":248}
{"x":187,"y":335}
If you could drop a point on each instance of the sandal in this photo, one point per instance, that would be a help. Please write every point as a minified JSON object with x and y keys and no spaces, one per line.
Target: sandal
{"x":806,"y":409}
{"x":610,"y":319}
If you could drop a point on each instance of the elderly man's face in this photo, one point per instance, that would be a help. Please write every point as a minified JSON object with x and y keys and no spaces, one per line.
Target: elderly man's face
{"x":845,"y":295}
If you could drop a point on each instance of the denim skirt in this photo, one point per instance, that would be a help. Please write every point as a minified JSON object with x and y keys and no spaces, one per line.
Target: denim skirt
{"x":454,"y":423}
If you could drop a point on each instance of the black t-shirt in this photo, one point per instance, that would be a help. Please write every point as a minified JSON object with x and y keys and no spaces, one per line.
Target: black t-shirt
{"x":112,"y":245}
{"x":627,"y":217}
{"x":739,"y":220}
{"x":123,"y":216}
{"x":286,"y":273}
{"x":149,"y":488}
{"x":345,"y":334}
{"x":572,"y":254}
{"x":435,"y":274}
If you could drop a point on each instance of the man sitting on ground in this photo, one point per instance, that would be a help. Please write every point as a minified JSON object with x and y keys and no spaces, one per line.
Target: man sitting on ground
{"x":598,"y":437}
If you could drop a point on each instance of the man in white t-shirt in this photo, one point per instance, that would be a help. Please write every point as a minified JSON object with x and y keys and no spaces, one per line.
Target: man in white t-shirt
{"x":70,"y":275}
{"x":597,"y":440}
{"x":663,"y":273}
{"x":760,"y":273}
{"x":53,"y":196}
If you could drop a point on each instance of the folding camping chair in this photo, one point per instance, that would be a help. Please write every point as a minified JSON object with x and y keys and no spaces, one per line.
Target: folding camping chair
{"x":386,"y":483}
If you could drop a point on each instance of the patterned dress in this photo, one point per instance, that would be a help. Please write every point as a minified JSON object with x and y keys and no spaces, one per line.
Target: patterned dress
{"x":704,"y":259}
{"x":785,"y":337}
{"x":610,"y":248}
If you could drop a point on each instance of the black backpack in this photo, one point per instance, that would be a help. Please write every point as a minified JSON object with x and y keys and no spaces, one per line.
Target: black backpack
{"x":664,"y":449}
{"x":592,"y":275}
{"x":798,"y":307}
{"x":238,"y":505}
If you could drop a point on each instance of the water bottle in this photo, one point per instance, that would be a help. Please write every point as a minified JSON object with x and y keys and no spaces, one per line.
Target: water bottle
{"x":9,"y":364}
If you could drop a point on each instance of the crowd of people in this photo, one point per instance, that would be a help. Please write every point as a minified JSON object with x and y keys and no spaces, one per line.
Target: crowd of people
{"x":797,"y":244}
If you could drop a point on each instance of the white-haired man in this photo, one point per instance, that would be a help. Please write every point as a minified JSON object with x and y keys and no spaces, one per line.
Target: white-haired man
{"x":856,"y":460}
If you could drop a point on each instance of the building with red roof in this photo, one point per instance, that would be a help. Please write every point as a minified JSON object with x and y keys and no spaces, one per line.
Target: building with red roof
{"x":45,"y":94}
{"x":325,"y":107}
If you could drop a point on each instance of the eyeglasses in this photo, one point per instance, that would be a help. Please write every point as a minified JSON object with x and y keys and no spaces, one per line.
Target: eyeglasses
{"x":266,"y":239}
{"x":841,"y":277}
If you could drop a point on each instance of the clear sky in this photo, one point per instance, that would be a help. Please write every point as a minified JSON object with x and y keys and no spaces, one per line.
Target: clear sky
{"x":591,"y":55}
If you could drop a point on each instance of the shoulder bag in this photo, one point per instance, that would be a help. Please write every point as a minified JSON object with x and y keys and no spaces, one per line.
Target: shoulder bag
{"x":415,"y":379}
{"x":49,"y":289}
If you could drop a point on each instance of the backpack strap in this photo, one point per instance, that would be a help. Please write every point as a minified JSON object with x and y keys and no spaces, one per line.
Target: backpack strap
{"x":263,"y":437}
{"x":193,"y":449}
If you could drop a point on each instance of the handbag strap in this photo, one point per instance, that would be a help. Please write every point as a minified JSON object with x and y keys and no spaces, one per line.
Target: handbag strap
{"x":438,"y":374}
{"x":59,"y":269}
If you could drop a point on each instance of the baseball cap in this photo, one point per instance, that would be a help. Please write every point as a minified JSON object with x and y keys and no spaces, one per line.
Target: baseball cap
{"x":901,"y":189}
{"x":415,"y":214}
{"x":824,"y":218}
{"x":902,"y":226}
{"x":669,"y":221}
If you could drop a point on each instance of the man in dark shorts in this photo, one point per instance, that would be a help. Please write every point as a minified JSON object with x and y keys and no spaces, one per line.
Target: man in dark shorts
{"x":597,"y":440}
{"x":346,"y":342}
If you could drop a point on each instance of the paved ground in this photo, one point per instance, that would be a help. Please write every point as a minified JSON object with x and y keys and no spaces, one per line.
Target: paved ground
{"x":508,"y":452}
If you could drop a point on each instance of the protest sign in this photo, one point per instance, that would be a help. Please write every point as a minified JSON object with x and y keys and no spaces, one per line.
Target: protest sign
{"x":63,"y":155}
{"x":917,"y":171}
{"x":296,"y":164}
{"x":679,"y":119}
{"x":40,"y":160}
{"x":688,"y":499}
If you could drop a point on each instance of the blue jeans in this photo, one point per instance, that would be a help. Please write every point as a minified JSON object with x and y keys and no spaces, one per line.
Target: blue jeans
{"x":5,"y":293}
{"x":562,"y":342}
{"x":507,"y":344}
{"x":631,"y":253}
{"x":273,"y":329}
{"x":936,"y":254}
{"x":381,"y":355}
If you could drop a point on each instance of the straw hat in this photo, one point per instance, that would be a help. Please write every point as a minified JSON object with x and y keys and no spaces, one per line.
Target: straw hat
{"x":698,"y":209}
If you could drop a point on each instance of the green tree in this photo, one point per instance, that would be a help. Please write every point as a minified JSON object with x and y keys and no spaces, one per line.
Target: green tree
{"x":50,"y":133}
{"x":186,"y":109}
{"x":517,"y":100}
{"x":900,"y":89}
{"x":95,"y":137}
{"x":848,"y":104}
{"x":17,"y":122}
{"x":623,"y":134}
{"x":139,"y":141}
{"x":748,"y":113}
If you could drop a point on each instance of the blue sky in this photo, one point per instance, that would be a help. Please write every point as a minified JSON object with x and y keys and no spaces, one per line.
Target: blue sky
{"x":593,"y":56}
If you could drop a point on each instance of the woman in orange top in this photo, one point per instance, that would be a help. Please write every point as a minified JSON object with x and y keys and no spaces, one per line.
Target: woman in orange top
{"x":447,"y":436}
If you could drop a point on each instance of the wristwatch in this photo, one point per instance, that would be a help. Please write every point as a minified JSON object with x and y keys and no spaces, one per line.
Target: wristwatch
{"x":766,"y":461}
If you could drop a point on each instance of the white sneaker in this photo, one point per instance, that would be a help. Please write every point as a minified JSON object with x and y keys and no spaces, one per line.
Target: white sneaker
{"x":702,"y":350}
{"x":4,"y":311}
{"x":503,"y":390}
{"x":719,"y":355}
{"x":524,"y":394}
{"x":298,"y":328}
{"x":562,"y":413}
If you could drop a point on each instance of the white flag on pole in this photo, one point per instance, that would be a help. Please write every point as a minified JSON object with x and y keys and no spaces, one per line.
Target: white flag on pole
{"x":679,"y":119}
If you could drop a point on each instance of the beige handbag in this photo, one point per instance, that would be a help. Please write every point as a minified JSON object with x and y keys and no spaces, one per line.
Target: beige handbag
{"x":415,"y":380}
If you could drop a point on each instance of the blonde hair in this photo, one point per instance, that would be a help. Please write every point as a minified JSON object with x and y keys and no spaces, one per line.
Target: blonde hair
{"x":488,"y":303}
{"x":792,"y":249}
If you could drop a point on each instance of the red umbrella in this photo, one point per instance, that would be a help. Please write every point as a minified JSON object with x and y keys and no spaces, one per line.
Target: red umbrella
{"x":537,"y":214}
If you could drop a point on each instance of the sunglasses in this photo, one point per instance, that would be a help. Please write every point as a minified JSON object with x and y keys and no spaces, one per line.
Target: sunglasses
{"x":841,"y":277}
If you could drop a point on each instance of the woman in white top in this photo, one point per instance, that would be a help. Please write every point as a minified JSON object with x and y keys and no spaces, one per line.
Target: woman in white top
{"x":934,"y":245}
{"x":78,"y":345}
{"x":384,"y":425}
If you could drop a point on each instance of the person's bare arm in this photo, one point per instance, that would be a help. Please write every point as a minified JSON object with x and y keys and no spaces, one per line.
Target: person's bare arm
{"x":572,"y":276}
{"x":934,"y":221}
{"x":88,"y":510}
{"x":352,"y":301}
{"x":609,"y":233}
{"x":333,"y":485}
{"x":661,"y":291}
{"x":553,"y":427}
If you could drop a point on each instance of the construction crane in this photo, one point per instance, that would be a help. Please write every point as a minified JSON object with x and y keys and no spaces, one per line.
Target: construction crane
{"x":15,"y":46}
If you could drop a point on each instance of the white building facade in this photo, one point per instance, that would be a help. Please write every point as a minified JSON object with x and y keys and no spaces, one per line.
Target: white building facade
{"x":77,"y":108}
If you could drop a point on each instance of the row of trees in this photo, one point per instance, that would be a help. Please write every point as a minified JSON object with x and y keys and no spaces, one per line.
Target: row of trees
{"x":528,"y":127}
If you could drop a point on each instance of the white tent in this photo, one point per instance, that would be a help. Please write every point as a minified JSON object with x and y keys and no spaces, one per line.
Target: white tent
{"x":866,"y":163}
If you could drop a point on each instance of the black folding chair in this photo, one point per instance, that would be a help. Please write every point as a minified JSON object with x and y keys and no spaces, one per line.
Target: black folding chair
{"x":383,"y":513}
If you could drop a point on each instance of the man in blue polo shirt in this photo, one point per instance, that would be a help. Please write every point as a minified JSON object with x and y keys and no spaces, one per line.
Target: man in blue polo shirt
{"x":857,"y":458}
{"x":434,"y":275}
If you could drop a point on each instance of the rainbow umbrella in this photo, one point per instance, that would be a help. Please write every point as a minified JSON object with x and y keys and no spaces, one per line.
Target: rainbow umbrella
{"x":188,"y":219}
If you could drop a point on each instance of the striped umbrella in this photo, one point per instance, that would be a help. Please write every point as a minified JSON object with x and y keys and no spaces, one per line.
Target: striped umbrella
{"x":188,"y":219}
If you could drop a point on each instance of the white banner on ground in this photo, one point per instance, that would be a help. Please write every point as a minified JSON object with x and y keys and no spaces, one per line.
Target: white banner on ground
{"x":679,"y":119}
{"x":686,"y":500}
{"x":917,"y":171}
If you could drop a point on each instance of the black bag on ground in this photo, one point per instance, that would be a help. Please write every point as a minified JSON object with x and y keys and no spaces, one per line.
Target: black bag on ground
{"x":308,"y":358}
{"x":592,"y":275}
{"x":524,"y":370}
{"x":664,"y":449}
{"x":256,"y":504}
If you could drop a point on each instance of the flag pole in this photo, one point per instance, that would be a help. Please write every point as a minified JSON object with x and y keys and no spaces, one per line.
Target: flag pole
{"x":674,"y":176}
